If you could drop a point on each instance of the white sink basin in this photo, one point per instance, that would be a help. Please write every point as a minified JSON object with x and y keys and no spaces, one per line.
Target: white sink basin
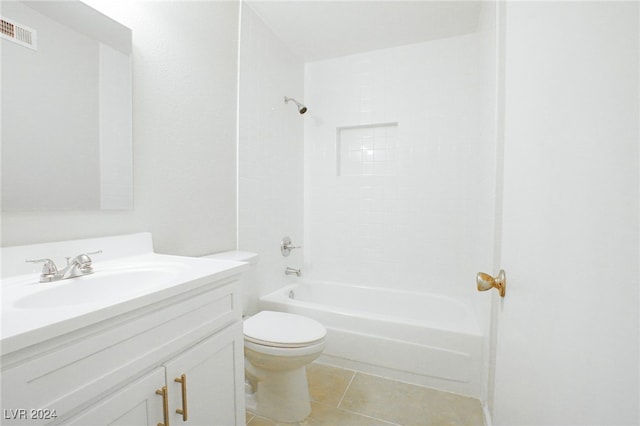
{"x":101,"y":285}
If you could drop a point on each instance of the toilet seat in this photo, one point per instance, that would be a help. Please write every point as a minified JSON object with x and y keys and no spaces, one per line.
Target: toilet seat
{"x":283,"y":330}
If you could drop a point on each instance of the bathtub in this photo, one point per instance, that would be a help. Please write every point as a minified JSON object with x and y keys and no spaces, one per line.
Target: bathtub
{"x":420,"y":338}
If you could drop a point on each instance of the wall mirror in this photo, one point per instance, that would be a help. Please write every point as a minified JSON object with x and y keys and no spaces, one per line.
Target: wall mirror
{"x":66,"y":108}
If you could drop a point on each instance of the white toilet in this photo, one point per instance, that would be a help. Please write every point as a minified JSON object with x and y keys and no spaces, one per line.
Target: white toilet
{"x":277,"y":348}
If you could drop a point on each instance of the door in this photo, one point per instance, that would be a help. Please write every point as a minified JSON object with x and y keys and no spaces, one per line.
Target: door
{"x":135,"y":404}
{"x":567,"y":343}
{"x":206,"y":383}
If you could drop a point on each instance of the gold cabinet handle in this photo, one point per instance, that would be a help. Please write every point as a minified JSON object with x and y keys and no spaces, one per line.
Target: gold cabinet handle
{"x":487,"y":282}
{"x":165,"y":405}
{"x":183,"y":381}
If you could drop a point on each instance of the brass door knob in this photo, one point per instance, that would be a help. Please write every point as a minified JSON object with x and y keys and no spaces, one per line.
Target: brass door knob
{"x":487,"y":282}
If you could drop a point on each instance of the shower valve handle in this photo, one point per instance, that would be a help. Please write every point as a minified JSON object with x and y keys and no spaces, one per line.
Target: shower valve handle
{"x":286,"y":246}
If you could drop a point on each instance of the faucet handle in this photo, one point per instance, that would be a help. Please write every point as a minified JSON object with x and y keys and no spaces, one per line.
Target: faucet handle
{"x":83,"y":258}
{"x":49,"y":268}
{"x":85,"y":261}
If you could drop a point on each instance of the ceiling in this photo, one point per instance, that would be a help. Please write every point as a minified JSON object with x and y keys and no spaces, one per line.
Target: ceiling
{"x":322,"y":29}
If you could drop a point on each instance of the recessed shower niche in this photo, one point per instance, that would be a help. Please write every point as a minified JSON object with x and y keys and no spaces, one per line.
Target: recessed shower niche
{"x":367,"y":150}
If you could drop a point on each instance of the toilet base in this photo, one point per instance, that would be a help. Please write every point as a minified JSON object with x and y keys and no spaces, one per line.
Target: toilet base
{"x":251,"y":403}
{"x":282,"y":396}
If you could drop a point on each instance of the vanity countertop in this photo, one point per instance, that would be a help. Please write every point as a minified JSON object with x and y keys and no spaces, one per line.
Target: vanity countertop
{"x":125,"y":278}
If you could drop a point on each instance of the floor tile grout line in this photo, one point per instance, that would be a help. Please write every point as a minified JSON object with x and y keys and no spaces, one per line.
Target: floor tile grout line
{"x":370,"y":417}
{"x":347,"y":388}
{"x":357,"y":412}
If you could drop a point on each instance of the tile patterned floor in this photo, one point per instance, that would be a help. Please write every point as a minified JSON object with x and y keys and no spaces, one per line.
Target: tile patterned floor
{"x":347,"y":398}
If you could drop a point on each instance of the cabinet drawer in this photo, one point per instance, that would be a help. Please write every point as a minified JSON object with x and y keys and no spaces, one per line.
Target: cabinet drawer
{"x":88,"y":363}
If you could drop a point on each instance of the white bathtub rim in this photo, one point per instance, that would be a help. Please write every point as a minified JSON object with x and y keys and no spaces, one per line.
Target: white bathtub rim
{"x":448,"y":298}
{"x":281,"y":296}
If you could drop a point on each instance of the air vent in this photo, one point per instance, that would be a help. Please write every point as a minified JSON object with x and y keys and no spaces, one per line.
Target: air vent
{"x":18,"y":33}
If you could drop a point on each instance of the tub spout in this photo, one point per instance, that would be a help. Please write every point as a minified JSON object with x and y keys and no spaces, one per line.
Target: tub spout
{"x":292,"y":271}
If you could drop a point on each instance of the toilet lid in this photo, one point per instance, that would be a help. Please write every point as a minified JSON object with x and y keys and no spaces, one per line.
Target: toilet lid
{"x":281,"y":329}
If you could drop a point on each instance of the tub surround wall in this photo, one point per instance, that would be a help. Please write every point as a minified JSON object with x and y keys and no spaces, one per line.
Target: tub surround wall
{"x":400,"y":159}
{"x":270,"y":151}
{"x":184,"y":137}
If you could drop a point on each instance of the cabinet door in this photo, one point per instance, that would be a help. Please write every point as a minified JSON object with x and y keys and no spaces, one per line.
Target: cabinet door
{"x":135,"y":404}
{"x":213,"y":372}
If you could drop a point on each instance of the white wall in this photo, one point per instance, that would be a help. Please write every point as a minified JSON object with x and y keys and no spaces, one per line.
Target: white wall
{"x":568,"y":343}
{"x":420,"y":214}
{"x":271,"y":150}
{"x":184,"y":134}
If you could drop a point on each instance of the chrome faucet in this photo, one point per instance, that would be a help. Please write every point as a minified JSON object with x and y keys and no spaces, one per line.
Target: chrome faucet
{"x":76,"y":267}
{"x":79,"y":265}
{"x":292,"y":271}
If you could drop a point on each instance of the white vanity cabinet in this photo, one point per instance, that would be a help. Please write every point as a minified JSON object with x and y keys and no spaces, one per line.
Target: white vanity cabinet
{"x":205,"y":394}
{"x":113,"y":371}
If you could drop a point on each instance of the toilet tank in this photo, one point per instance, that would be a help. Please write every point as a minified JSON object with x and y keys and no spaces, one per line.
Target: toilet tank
{"x":248,"y":280}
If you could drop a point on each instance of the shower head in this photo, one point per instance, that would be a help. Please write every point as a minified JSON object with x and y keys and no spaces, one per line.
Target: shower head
{"x":301,"y":108}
